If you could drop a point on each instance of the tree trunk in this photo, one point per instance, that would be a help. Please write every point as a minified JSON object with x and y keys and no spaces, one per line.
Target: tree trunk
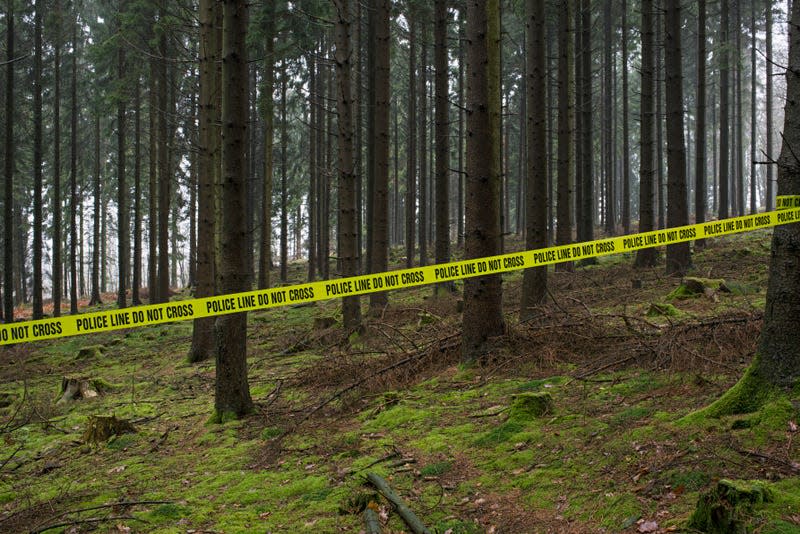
{"x":422,"y":130}
{"x":768,"y":103}
{"x":724,"y":112}
{"x":164,"y":176}
{"x":566,"y":92}
{"x":608,"y":108}
{"x":534,"y":283}
{"x":56,"y":266}
{"x":8,"y":197}
{"x":442,"y":138}
{"x":122,"y":186}
{"x":73,"y":175}
{"x":95,"y":298}
{"x":137,"y":193}
{"x":348,"y":238}
{"x":284,"y":243}
{"x":626,"y":149}
{"x":37,"y":163}
{"x":483,"y":311}
{"x":678,"y":255}
{"x":152,"y":187}
{"x":700,"y":187}
{"x":646,"y":257}
{"x":587,"y":188}
{"x":411,"y":140}
{"x":232,"y":394}
{"x":739,"y":139}
{"x":312,"y":172}
{"x":208,"y":114}
{"x":776,"y":366}
{"x":461,"y":69}
{"x":753,"y":128}
{"x":659,"y":117}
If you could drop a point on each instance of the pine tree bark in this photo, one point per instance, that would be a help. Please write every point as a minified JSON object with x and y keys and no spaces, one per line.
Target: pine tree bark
{"x":380,"y":188}
{"x":442,"y":148}
{"x":152,"y":185}
{"x":136,"y":285}
{"x":608,"y":108}
{"x":122,"y":186}
{"x":626,"y":148}
{"x":73,"y":175}
{"x":232,"y":394}
{"x":678,"y":255}
{"x":202,"y":347}
{"x":483,"y":312}
{"x":37,"y":310}
{"x":770,"y":201}
{"x":284,"y":242}
{"x":753,"y":96}
{"x":8,"y":196}
{"x":57,"y":232}
{"x":348,"y":238}
{"x":312,"y":169}
{"x":461,"y":70}
{"x":265,"y":244}
{"x":422,"y":131}
{"x":587,"y":174}
{"x":411,"y":140}
{"x":566,"y":120}
{"x":646,"y":257}
{"x":724,"y":111}
{"x":700,"y":187}
{"x":95,"y":298}
{"x":164,"y":175}
{"x":534,"y":282}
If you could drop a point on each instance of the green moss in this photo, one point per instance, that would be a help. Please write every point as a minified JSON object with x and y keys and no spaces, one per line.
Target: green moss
{"x":690,"y":480}
{"x":91,"y":351}
{"x":657,"y":309}
{"x":395,"y":417}
{"x":529,"y":406}
{"x":271,"y":432}
{"x":728,"y":507}
{"x":747,"y":396}
{"x":436,"y":469}
{"x":500,"y":434}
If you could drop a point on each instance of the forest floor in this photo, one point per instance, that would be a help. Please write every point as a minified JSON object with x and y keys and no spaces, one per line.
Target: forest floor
{"x":623,"y":361}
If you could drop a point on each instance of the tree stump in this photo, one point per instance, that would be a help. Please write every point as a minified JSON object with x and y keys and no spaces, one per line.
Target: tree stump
{"x":76,"y":388}
{"x":726,"y":508}
{"x":100,"y":428}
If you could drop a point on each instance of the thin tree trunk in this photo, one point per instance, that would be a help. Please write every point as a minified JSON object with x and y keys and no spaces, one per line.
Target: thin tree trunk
{"x":284,"y":243}
{"x":768,"y":104}
{"x":566,"y":92}
{"x":202,"y":347}
{"x":646,"y":257}
{"x":232,"y":394}
{"x":8,"y":198}
{"x":95,"y":298}
{"x":442,"y":137}
{"x":122,"y":186}
{"x":57,"y":232}
{"x":753,"y":128}
{"x":587,"y":190}
{"x":678,"y":255}
{"x":37,"y":163}
{"x":461,"y":69}
{"x":610,"y":214}
{"x":423,"y":145}
{"x":739,"y":140}
{"x":483,"y":311}
{"x":348,"y":238}
{"x":137,"y":193}
{"x":152,"y":187}
{"x":626,"y":148}
{"x":724,"y":112}
{"x":411,"y":140}
{"x":700,"y":191}
{"x":534,"y":282}
{"x":164,"y":177}
{"x":659,"y":122}
{"x":73,"y":175}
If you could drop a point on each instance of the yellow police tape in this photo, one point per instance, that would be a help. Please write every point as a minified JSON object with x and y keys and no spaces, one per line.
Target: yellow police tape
{"x":788,"y":211}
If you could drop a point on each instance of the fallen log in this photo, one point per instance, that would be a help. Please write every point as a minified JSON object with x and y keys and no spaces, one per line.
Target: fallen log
{"x":372,"y":524}
{"x":400,"y":506}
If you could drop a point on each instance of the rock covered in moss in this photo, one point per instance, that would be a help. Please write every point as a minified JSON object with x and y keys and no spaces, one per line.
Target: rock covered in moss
{"x":657,"y":309}
{"x":692,"y":286}
{"x":91,"y":351}
{"x":526,"y":406}
{"x":725,"y":508}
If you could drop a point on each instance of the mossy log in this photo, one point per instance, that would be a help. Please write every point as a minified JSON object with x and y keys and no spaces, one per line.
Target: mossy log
{"x":372,"y":524}
{"x":726,"y":508}
{"x":100,"y":428}
{"x":527,"y":406}
{"x":413,"y":522}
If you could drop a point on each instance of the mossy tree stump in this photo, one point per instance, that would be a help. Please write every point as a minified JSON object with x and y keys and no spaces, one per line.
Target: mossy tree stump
{"x":101,"y":428}
{"x":726,"y":508}
{"x":527,"y":406}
